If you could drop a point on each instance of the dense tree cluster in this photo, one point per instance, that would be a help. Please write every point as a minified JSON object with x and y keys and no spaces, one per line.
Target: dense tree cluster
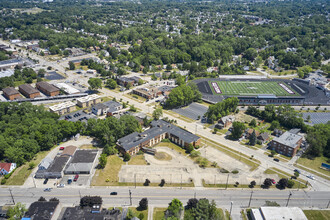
{"x":318,"y":138}
{"x":26,"y":74}
{"x":221,"y":109}
{"x":90,"y":201}
{"x":201,"y":209}
{"x":183,"y":95}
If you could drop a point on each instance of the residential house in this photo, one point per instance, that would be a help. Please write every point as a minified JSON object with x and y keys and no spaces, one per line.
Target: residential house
{"x":45,"y":163}
{"x":158,"y":131}
{"x":263,"y":137}
{"x":28,"y":91}
{"x":249,"y":131}
{"x":6,"y":168}
{"x":287,"y":144}
{"x":11,"y":93}
{"x":225,"y":122}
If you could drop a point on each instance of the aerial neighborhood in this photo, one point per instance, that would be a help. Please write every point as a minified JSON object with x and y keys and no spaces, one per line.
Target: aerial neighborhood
{"x":156,"y":110}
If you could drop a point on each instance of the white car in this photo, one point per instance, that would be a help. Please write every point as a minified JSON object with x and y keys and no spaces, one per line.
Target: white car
{"x":60,"y":185}
{"x":311,"y":177}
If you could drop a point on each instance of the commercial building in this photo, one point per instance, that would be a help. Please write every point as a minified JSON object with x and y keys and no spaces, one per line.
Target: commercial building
{"x":63,"y":108}
{"x":47,"y":88}
{"x":28,"y":91}
{"x":88,"y":100}
{"x":91,"y":213}
{"x":6,"y":168}
{"x":45,"y":163}
{"x":41,"y":210}
{"x":287,"y":144}
{"x":153,"y":92}
{"x":81,"y":162}
{"x":276,"y":213}
{"x":158,"y":131}
{"x":107,"y":108}
{"x":128,"y":81}
{"x":11,"y":93}
{"x":10,"y":64}
{"x":67,"y":89}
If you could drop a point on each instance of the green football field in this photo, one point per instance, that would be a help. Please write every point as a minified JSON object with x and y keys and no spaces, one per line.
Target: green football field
{"x":252,"y":88}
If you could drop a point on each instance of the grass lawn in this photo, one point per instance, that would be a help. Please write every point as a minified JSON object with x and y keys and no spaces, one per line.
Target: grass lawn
{"x":139,"y":213}
{"x":181,"y":117}
{"x":135,"y":97}
{"x":314,"y":165}
{"x":137,"y":160}
{"x":109,"y":175}
{"x":253,"y":163}
{"x":228,"y":186}
{"x":23,"y":172}
{"x":159,"y":213}
{"x":317,"y":214}
{"x":105,"y":99}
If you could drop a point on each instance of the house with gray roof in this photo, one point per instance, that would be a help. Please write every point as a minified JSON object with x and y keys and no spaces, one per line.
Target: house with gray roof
{"x":287,"y":144}
{"x":159,"y":130}
{"x":107,"y":108}
{"x":45,"y":163}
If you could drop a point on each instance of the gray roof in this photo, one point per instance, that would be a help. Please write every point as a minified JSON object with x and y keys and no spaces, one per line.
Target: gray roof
{"x":12,"y":61}
{"x":28,"y":89}
{"x":294,"y":130}
{"x":110,"y":105}
{"x":10,"y":91}
{"x":45,"y":162}
{"x":48,"y":87}
{"x":288,"y":139}
{"x":84,"y":156}
{"x":79,"y":167}
{"x":264,"y":136}
{"x":58,"y":164}
{"x":157,"y":128}
{"x":99,"y":106}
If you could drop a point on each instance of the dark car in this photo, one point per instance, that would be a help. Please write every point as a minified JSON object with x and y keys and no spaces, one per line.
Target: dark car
{"x":277,"y":160}
{"x":46,"y":181}
{"x":113,"y":193}
{"x":298,"y":171}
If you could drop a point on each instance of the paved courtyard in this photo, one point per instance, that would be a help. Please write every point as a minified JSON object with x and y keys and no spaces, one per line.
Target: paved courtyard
{"x":192,"y":111}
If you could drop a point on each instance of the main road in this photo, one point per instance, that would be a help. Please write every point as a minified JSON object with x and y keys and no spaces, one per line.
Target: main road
{"x":161,"y":197}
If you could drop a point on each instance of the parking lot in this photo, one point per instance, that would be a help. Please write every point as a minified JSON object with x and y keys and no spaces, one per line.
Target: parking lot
{"x":317,"y":117}
{"x":53,"y":76}
{"x":192,"y":111}
{"x":77,"y":116}
{"x":81,"y":181}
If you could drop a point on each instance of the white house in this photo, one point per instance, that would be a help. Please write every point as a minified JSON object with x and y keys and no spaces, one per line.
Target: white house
{"x":6,"y":168}
{"x":45,"y":163}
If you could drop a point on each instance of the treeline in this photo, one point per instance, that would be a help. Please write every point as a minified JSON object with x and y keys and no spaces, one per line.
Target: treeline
{"x":221,"y":109}
{"x":318,"y":138}
{"x":183,"y":95}
{"x":26,"y":129}
{"x":26,"y":74}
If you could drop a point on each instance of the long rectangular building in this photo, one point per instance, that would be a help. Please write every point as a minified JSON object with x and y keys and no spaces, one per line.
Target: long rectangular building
{"x":88,"y":100}
{"x":47,"y":88}
{"x":28,"y":91}
{"x":11,"y":93}
{"x":159,"y":130}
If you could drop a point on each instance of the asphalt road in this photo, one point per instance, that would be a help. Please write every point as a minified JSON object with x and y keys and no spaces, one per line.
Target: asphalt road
{"x":162,"y":197}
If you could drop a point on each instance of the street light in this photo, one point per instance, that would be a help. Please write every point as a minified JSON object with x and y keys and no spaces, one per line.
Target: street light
{"x":231,"y":207}
{"x":287,"y":203}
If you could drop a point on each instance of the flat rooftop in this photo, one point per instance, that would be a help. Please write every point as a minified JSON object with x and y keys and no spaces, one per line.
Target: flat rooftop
{"x":84,"y":156}
{"x":288,"y":139}
{"x":88,"y":98}
{"x":66,"y":88}
{"x":61,"y":106}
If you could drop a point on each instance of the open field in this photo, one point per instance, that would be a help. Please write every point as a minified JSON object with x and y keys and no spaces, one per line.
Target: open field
{"x":251,"y":88}
{"x":314,"y":165}
{"x":159,"y":213}
{"x":317,"y":214}
{"x":137,"y":160}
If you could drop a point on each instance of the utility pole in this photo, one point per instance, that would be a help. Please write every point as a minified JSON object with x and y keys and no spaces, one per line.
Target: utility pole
{"x":250,"y":198}
{"x":195,"y":197}
{"x":231,"y":207}
{"x":328,"y":204}
{"x":287,"y":203}
{"x":214,"y":179}
{"x":12,"y":197}
{"x":135,"y":179}
{"x":130,"y":196}
{"x":79,"y":194}
{"x":181,"y":181}
{"x":227,"y":181}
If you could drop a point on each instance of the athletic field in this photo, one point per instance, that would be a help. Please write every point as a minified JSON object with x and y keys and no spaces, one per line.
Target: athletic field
{"x":251,"y":88}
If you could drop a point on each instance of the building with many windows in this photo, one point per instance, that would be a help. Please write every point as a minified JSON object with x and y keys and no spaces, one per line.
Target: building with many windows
{"x":287,"y":144}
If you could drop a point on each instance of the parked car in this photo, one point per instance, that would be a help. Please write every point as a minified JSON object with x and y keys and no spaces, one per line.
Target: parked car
{"x":296,"y":170}
{"x":273,"y":181}
{"x":277,"y":160}
{"x":76,"y":177}
{"x":60,"y":185}
{"x":69,"y":180}
{"x":113,"y":193}
{"x":61,"y":148}
{"x":310,"y":177}
{"x":47,"y":189}
{"x":46,"y":181}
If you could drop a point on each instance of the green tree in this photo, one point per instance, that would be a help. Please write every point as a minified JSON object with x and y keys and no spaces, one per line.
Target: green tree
{"x":72,"y":66}
{"x":174,"y":209}
{"x":274,"y":125}
{"x":253,"y":138}
{"x":95,"y":83}
{"x":238,"y":129}
{"x":111,"y":83}
{"x":153,"y":77}
{"x":290,"y":183}
{"x":253,"y":123}
{"x":130,"y":214}
{"x":143,"y":204}
{"x":17,"y":212}
{"x":127,"y":157}
{"x":157,"y":113}
{"x":32,"y":165}
{"x":250,"y":54}
{"x":103,"y":161}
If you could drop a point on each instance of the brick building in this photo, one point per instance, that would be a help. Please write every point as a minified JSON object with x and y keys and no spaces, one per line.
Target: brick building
{"x":11,"y":93}
{"x":28,"y":91}
{"x":47,"y":88}
{"x":287,"y":144}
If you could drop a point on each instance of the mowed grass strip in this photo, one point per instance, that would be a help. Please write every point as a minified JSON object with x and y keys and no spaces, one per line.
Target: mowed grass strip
{"x":253,"y":163}
{"x":317,"y":214}
{"x":159,"y":213}
{"x":299,"y":183}
{"x":314,"y":165}
{"x":137,"y":160}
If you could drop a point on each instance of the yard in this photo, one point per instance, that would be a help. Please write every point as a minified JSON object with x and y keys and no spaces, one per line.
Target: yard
{"x":109,"y":175}
{"x":142,"y":215}
{"x":137,"y":160}
{"x":135,"y":97}
{"x":159,"y":213}
{"x":317,"y":214}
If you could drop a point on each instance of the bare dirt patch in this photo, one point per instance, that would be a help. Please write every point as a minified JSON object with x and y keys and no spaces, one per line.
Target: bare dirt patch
{"x":163,"y":156}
